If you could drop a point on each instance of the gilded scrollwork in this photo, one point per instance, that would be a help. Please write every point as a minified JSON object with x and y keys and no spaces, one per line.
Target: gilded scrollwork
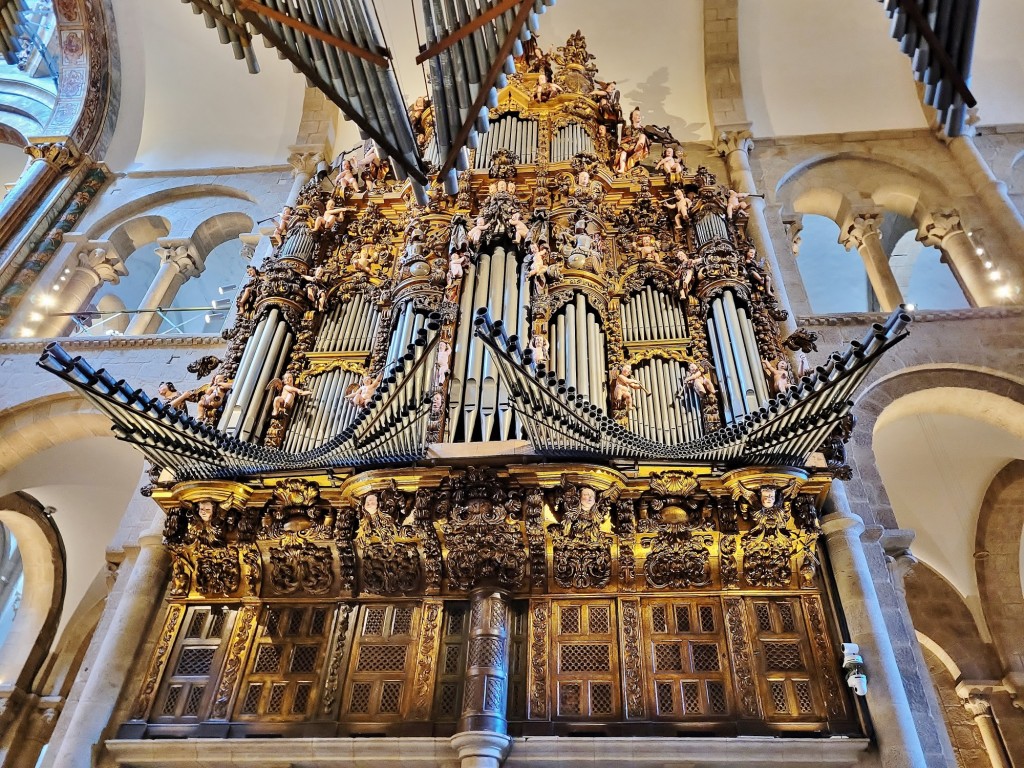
{"x":581,"y":549}
{"x":631,"y":662}
{"x":299,"y":566}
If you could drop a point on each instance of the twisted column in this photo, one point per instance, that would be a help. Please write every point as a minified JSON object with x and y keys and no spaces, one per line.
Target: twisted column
{"x":945,"y":231}
{"x":864,"y":234}
{"x":898,"y":740}
{"x":482,"y":740}
{"x":178,"y":262}
{"x":735,"y":147}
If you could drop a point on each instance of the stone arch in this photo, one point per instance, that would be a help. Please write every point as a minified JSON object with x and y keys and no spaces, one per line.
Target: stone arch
{"x":33,"y":426}
{"x":964,"y":736}
{"x":220,"y":229}
{"x":998,"y":545}
{"x":137,"y":231}
{"x":35,"y":624}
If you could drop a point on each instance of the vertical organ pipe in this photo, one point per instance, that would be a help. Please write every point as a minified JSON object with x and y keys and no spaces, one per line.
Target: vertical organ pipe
{"x":726,"y":364}
{"x":272,"y":364}
{"x":580,"y":339}
{"x":228,"y":419}
{"x":571,"y":343}
{"x":739,"y":353}
{"x":756,"y":372}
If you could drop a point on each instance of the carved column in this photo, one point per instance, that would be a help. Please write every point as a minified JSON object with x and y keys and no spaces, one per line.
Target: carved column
{"x":178,"y":262}
{"x":304,"y":159}
{"x":991,"y":191}
{"x":76,"y":739}
{"x":945,"y":231}
{"x":49,"y":161}
{"x":95,"y":264}
{"x":865,"y":235}
{"x":482,"y":741}
{"x":898,"y":740}
{"x":735,"y":147}
{"x":981,"y":710}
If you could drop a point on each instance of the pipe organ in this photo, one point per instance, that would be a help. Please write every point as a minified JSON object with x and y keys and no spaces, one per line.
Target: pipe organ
{"x":529,"y":458}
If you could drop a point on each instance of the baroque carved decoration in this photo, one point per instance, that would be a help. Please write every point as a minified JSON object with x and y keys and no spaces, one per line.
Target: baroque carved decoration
{"x":299,"y":566}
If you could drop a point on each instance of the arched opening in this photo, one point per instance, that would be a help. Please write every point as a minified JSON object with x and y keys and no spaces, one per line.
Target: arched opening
{"x":834,"y":278}
{"x":921,"y":271}
{"x":12,"y":580}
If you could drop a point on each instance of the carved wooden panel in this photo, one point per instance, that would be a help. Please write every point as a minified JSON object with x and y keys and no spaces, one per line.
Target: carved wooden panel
{"x":285,"y":670}
{"x":189,"y":682}
{"x":584,"y":661}
{"x":518,"y":657}
{"x":451,"y":661}
{"x":785,"y":667}
{"x":378,"y":687}
{"x":687,"y":661}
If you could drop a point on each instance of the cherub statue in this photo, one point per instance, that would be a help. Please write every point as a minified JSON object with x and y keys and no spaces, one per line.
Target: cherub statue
{"x":622,"y":385}
{"x":365,"y":258}
{"x":781,"y":374}
{"x":477,"y":232}
{"x":521,"y":233}
{"x":737,"y":203}
{"x":758,"y":275}
{"x":685,"y":274}
{"x":329,"y":217}
{"x":545,"y":89}
{"x":609,"y":111}
{"x":376,"y":521}
{"x":679,"y":203}
{"x":669,"y":164}
{"x":457,"y":261}
{"x":583,"y":511}
{"x":767,"y":507}
{"x":172,"y":396}
{"x":346,"y":178}
{"x":540,"y":347}
{"x":213,"y":398}
{"x":361,"y":394}
{"x":648,"y":249}
{"x":316,"y":291}
{"x":443,"y":362}
{"x":539,"y":265}
{"x":284,"y":221}
{"x":699,"y":380}
{"x":247,"y":295}
{"x":284,"y":402}
{"x":634,"y":145}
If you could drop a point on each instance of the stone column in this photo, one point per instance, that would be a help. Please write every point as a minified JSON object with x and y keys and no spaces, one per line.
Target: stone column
{"x":96,"y":263}
{"x":735,"y":147}
{"x":482,"y":740}
{"x":78,"y":739}
{"x":898,"y":742}
{"x":944,"y":230}
{"x":864,"y":234}
{"x":991,"y":191}
{"x":49,"y":161}
{"x":178,"y":262}
{"x":304,"y":159}
{"x":978,"y":705}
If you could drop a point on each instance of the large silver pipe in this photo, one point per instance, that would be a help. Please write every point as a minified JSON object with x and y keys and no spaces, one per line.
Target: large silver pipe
{"x":602,"y":370}
{"x":594,"y":357}
{"x":271,"y":363}
{"x":661,"y":406}
{"x":678,"y":413}
{"x":580,"y":339}
{"x":462,"y":340}
{"x":647,"y":407}
{"x":757,"y":372}
{"x":723,"y":374}
{"x":323,"y":393}
{"x":228,"y":418}
{"x":562,"y":346}
{"x":728,"y":362}
{"x":471,"y":396}
{"x":739,"y":353}
{"x":571,"y":345}
{"x":345,"y":319}
{"x":649,"y":322}
{"x":633,"y":305}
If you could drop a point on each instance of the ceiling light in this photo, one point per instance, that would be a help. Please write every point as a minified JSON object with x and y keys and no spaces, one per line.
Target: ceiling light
{"x":67,"y":271}
{"x":219,"y":304}
{"x":56,"y":287}
{"x":35,"y":317}
{"x":979,"y":251}
{"x":27,"y":332}
{"x":45,"y":300}
{"x":1004,"y":291}
{"x":994,"y":274}
{"x":988,"y":265}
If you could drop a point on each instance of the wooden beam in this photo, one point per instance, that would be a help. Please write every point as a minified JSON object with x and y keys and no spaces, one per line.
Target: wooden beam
{"x":485,"y":86}
{"x":912,"y":10}
{"x":224,"y":19}
{"x":325,"y":37}
{"x":461,"y":32}
{"x":306,"y":68}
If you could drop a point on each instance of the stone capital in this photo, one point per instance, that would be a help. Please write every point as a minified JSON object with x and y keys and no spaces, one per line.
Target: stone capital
{"x":304,"y":158}
{"x":940,"y":225}
{"x":727,"y":142}
{"x":59,"y":155}
{"x":101,"y":261}
{"x":977,"y":704}
{"x":794,"y":226}
{"x":181,"y":255}
{"x":859,"y":229}
{"x":485,"y":746}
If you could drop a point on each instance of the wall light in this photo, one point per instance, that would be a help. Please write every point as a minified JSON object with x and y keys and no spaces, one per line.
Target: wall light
{"x":35,"y":317}
{"x":995,"y":274}
{"x":226,"y":289}
{"x":45,"y":300}
{"x":220,"y":304}
{"x":27,"y":332}
{"x":210,"y":316}
{"x":1004,"y":291}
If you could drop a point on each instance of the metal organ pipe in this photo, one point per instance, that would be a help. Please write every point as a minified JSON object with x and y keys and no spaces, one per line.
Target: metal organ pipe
{"x":581,"y":340}
{"x":229,"y":418}
{"x":569,"y":372}
{"x":457,"y":382}
{"x":738,"y":351}
{"x":272,"y":366}
{"x":754,"y":358}
{"x":726,"y":376}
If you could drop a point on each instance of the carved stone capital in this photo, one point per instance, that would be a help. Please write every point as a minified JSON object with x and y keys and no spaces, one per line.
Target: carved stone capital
{"x":304,"y":158}
{"x":860,"y":229}
{"x":727,"y":142}
{"x":977,"y":704}
{"x":59,"y":155}
{"x":941,"y":225}
{"x":181,"y":254}
{"x":794,"y":227}
{"x":101,"y":261}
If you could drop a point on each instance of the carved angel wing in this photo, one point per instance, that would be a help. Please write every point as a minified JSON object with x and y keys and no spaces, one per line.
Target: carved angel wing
{"x":749,"y":494}
{"x":789,"y":490}
{"x":276,"y":385}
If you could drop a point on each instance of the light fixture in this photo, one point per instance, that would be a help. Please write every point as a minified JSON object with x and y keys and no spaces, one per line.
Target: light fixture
{"x":27,"y":332}
{"x":226,"y":288}
{"x":211,"y":315}
{"x":45,"y":300}
{"x":63,"y":278}
{"x":220,"y":304}
{"x":56,"y":287}
{"x":911,"y":307}
{"x":1004,"y":291}
{"x":35,"y":317}
{"x":979,"y":251}
{"x":995,"y":274}
{"x":67,"y":271}
{"x":988,"y":265}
